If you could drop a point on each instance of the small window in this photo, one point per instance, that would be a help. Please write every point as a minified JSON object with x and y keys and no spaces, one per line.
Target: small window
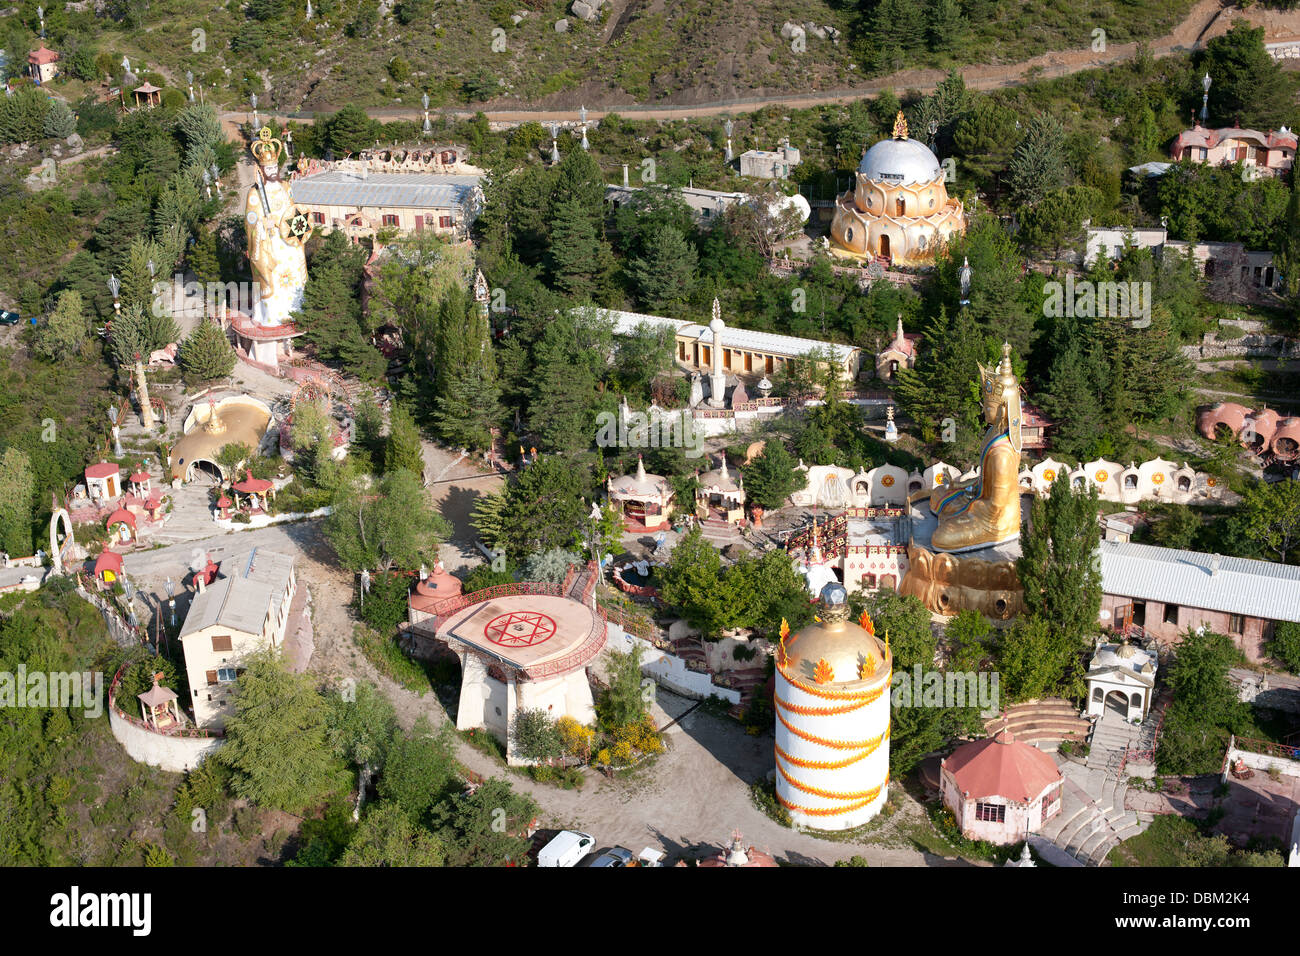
{"x":221,"y":642}
{"x":445,"y":222}
{"x":390,"y":220}
{"x":225,"y":675}
{"x":318,"y":218}
{"x":1171,"y":614}
{"x":1236,"y":624}
{"x":991,"y":812}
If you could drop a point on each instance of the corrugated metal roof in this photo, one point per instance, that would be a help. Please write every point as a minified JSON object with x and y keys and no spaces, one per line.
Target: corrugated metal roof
{"x":1190,"y":579}
{"x":414,"y":190}
{"x":251,"y":588}
{"x":732,"y":338}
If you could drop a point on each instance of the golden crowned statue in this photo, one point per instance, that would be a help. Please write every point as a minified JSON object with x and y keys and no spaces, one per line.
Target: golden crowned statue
{"x":976,"y":513}
{"x":277,"y":231}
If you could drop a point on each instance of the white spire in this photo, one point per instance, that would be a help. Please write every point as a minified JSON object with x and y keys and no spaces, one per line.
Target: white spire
{"x":640,"y":469}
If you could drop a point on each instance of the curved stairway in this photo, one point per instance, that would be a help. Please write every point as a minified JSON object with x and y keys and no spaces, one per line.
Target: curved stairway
{"x":1047,"y":721}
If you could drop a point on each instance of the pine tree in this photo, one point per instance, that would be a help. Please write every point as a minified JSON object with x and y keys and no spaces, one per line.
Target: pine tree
{"x":580,"y":261}
{"x":666,"y":273}
{"x":468,"y":408}
{"x":770,"y":478}
{"x":59,"y":120}
{"x":562,"y":411}
{"x":1038,"y":163}
{"x":203,"y":258}
{"x":1058,"y":566}
{"x":137,"y":332}
{"x":947,"y":25}
{"x":66,"y":329}
{"x":403,"y":449}
{"x":206,"y":353}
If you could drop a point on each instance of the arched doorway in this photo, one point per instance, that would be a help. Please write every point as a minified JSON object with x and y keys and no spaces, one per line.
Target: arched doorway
{"x":1117,"y":703}
{"x":202,"y":469}
{"x":884,"y":246}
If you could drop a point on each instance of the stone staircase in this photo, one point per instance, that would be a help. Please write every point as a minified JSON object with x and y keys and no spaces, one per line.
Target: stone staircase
{"x":1111,"y":737}
{"x":1092,"y":820}
{"x":1047,"y":721}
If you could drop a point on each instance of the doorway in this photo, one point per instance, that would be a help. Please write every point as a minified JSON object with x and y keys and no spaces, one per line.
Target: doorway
{"x":884,"y":246}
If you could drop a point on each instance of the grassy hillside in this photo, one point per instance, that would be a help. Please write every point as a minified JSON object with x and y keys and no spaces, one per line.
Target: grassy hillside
{"x":669,"y":51}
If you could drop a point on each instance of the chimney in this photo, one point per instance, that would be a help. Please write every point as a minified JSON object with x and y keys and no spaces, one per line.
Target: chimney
{"x":625,"y":183}
{"x":198,"y":583}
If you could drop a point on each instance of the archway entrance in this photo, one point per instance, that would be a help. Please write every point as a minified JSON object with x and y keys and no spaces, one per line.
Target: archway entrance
{"x":60,"y":550}
{"x":884,"y":246}
{"x":1117,"y":703}
{"x":206,"y":472}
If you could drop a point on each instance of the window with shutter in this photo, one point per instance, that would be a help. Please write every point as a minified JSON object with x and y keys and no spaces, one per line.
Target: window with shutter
{"x":212,"y":677}
{"x":221,"y":642}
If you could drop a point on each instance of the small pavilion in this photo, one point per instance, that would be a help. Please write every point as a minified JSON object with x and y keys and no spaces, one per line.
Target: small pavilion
{"x":645,"y":501}
{"x":1121,"y":677}
{"x":158,"y":706}
{"x":108,"y":567}
{"x":147,"y":95}
{"x":737,"y":854}
{"x":721,"y":497}
{"x":254,"y":490}
{"x":900,"y":353}
{"x":141,"y":482}
{"x":999,"y":789}
{"x":121,"y":526}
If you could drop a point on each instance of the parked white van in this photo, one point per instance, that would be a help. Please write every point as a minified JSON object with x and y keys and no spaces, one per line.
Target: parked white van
{"x":566,"y":849}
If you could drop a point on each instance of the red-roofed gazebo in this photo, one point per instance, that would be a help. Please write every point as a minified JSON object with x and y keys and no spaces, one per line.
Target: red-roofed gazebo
{"x":1000,"y":789}
{"x":108,"y":566}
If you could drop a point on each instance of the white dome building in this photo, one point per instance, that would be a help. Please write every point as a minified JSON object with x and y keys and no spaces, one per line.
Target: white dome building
{"x":900,"y":209}
{"x":832,"y":720}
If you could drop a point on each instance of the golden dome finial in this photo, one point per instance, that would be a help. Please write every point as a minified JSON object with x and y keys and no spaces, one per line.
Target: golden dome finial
{"x":900,"y":126}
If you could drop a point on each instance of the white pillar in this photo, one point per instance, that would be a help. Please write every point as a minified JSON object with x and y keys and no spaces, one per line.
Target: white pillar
{"x":717,"y":378}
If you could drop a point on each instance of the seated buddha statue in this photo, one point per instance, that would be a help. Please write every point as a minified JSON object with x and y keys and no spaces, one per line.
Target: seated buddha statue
{"x":985,"y":510}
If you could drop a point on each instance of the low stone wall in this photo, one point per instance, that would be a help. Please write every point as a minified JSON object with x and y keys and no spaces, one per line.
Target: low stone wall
{"x":261,"y":521}
{"x":173,"y":754}
{"x":669,"y":670}
{"x":1259,"y":761}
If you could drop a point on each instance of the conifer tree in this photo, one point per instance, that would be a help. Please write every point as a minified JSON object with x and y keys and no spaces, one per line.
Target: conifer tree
{"x":1038,"y":163}
{"x":666,"y":273}
{"x":579,"y":260}
{"x":1059,"y":566}
{"x":206,"y":353}
{"x":66,"y":329}
{"x":403,"y":449}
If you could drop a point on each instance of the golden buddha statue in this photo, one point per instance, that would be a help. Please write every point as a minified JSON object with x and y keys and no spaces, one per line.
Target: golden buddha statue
{"x":277,"y":231}
{"x":985,"y":510}
{"x":977,"y":513}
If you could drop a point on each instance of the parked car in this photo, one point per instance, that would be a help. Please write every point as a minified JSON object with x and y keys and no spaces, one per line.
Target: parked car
{"x":9,"y":318}
{"x":615,"y":857}
{"x":566,"y":849}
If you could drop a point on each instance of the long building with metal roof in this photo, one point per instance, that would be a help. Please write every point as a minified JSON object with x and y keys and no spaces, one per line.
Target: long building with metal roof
{"x":1166,"y":592}
{"x":362,"y":203}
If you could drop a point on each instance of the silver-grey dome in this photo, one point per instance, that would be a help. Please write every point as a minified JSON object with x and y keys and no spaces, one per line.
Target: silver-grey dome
{"x":900,"y":162}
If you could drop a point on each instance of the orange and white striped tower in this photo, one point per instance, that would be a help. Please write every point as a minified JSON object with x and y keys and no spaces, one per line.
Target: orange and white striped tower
{"x":832,"y":718}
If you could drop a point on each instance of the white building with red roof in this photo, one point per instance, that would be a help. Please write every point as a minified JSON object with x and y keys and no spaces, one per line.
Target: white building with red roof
{"x":42,"y":65}
{"x":1000,"y":789}
{"x":1270,"y":153}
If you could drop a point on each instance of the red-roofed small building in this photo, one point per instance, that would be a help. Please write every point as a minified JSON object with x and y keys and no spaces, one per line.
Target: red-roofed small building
{"x":1033,"y":427}
{"x":121,"y":526}
{"x":737,"y":854}
{"x":42,"y":65}
{"x":1270,"y":153}
{"x":999,"y":789}
{"x":899,"y":353}
{"x":103,"y":480}
{"x":432,"y":591}
{"x":108,"y":567}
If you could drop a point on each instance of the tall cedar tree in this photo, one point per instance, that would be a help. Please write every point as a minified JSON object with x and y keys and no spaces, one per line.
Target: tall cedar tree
{"x":403,"y":450}
{"x":206,"y":353}
{"x":1059,"y":565}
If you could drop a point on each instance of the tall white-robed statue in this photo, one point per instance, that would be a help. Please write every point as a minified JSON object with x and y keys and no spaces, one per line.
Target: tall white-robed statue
{"x":277,"y":232}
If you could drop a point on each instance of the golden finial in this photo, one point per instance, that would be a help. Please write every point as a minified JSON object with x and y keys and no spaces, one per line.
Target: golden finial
{"x":900,"y":126}
{"x":1005,"y":372}
{"x":822,"y":673}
